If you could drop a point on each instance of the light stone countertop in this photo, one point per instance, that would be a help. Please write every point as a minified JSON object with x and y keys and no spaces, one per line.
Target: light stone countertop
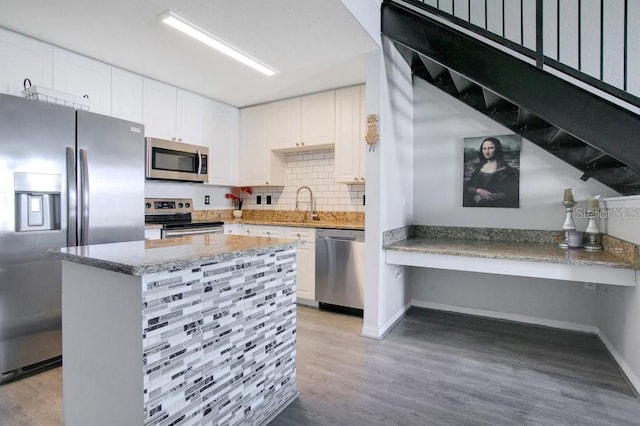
{"x":150,"y":256}
{"x":533,"y":252}
{"x":302,"y":224}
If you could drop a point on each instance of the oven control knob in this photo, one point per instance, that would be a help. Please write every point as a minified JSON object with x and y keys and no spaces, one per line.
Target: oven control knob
{"x":180,"y":205}
{"x":187,"y":205}
{"x":148,"y":205}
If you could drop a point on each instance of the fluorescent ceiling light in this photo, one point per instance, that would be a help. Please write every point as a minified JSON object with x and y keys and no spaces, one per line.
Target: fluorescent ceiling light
{"x":182,"y":24}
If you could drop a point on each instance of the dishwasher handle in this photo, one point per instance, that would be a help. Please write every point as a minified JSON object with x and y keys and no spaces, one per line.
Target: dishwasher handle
{"x":338,"y":238}
{"x":347,"y":235}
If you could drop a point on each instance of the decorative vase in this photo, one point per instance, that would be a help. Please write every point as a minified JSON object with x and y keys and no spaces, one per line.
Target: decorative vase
{"x":237,"y":214}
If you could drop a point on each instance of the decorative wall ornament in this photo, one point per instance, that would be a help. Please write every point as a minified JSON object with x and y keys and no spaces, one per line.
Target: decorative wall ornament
{"x":372,"y":135}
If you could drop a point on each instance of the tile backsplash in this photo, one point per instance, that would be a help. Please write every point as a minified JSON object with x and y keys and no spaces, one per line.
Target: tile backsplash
{"x":316,"y":170}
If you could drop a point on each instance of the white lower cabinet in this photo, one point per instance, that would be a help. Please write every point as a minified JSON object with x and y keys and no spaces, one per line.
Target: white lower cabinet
{"x":269,"y":231}
{"x":152,"y":233}
{"x":306,"y":261}
{"x":232,"y":228}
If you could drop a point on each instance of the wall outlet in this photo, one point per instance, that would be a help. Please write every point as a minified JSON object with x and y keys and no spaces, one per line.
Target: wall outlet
{"x":268,"y":199}
{"x":590,"y":286}
{"x":258,"y":199}
{"x":207,"y":200}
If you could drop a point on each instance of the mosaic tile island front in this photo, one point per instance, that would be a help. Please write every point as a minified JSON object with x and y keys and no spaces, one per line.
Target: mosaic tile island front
{"x":197,"y":330}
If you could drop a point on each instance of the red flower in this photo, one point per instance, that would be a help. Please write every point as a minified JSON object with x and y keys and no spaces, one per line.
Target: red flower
{"x":236,"y":196}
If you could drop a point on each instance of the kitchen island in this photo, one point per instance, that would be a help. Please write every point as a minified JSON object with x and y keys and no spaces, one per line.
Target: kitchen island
{"x":192,"y":330}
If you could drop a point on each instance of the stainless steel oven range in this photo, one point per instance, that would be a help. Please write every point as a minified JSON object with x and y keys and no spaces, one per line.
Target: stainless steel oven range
{"x":174,"y":214}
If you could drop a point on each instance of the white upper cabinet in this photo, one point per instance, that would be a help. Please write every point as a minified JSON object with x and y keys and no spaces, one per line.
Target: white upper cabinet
{"x":317,"y":119}
{"x":285,"y":129}
{"x":254,"y":167}
{"x":350,"y":129}
{"x":126,"y":95}
{"x":159,"y":109}
{"x":191,"y":117}
{"x":174,"y":114}
{"x":80,"y":76}
{"x":23,"y":58}
{"x":259,"y":166}
{"x":223,"y":133}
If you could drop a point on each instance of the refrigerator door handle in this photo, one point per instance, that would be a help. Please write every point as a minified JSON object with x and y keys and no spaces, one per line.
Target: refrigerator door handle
{"x":84,"y":198}
{"x":72,"y":199}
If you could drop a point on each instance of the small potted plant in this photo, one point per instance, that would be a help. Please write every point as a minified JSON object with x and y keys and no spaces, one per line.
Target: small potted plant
{"x":237,"y":195}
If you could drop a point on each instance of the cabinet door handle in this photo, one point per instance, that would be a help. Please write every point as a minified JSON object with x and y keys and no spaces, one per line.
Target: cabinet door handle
{"x":266,"y":183}
{"x":173,"y":138}
{"x":179,"y":139}
{"x":302,"y":144}
{"x":297,"y":144}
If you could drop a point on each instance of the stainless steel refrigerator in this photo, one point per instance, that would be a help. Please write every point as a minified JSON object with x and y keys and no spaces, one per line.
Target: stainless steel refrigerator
{"x":67,"y":178}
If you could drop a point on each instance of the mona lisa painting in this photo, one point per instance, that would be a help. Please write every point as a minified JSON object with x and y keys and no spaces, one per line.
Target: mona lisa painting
{"x":492,"y":171}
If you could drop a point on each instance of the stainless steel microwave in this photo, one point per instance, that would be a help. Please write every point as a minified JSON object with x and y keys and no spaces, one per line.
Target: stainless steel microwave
{"x":173,"y":160}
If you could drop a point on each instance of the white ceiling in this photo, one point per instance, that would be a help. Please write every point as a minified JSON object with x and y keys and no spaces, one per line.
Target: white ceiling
{"x":315,"y":44}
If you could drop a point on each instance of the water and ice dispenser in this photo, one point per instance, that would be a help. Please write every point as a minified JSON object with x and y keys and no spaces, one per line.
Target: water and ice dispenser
{"x":38,"y":201}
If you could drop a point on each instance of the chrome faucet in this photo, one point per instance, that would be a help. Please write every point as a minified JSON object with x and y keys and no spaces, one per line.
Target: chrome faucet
{"x":310,"y":201}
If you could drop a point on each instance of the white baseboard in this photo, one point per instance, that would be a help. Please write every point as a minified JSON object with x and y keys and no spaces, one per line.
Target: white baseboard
{"x":630,"y":375}
{"x":633,"y":380}
{"x":370,"y":332}
{"x":379,"y":333}
{"x":506,"y":316}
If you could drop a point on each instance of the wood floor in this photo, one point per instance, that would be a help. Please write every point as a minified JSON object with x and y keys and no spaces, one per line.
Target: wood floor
{"x":432,"y":369}
{"x":435,"y":368}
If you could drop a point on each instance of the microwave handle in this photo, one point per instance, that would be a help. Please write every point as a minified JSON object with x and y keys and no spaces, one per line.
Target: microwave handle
{"x":199,"y":162}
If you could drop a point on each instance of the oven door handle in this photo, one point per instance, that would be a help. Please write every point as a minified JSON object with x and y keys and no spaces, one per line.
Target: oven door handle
{"x":168,"y":233}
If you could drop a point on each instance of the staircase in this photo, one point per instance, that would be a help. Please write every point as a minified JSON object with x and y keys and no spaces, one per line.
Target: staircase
{"x":588,"y":132}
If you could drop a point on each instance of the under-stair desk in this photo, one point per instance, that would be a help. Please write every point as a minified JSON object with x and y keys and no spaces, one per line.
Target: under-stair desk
{"x":518,"y":252}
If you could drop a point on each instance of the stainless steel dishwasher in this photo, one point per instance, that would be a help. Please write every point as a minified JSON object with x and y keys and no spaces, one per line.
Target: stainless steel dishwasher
{"x":340,"y":267}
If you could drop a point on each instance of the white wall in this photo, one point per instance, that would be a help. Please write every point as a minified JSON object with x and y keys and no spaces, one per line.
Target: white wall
{"x":389,"y":186}
{"x":562,"y":304}
{"x":620,"y":307}
{"x":441,"y":123}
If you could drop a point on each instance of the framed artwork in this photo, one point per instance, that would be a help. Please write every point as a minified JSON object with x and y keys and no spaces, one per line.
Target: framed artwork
{"x":492,"y":171}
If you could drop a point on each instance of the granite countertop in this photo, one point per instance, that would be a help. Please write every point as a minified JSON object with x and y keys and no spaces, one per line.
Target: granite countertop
{"x":531,"y":252}
{"x":302,"y":224}
{"x":152,"y":226}
{"x":150,"y":256}
{"x":512,"y":244}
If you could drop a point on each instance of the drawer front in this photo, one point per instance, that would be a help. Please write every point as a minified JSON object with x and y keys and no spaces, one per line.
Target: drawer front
{"x":152,"y":233}
{"x":305,"y":234}
{"x":233,"y":229}
{"x":269,"y":231}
